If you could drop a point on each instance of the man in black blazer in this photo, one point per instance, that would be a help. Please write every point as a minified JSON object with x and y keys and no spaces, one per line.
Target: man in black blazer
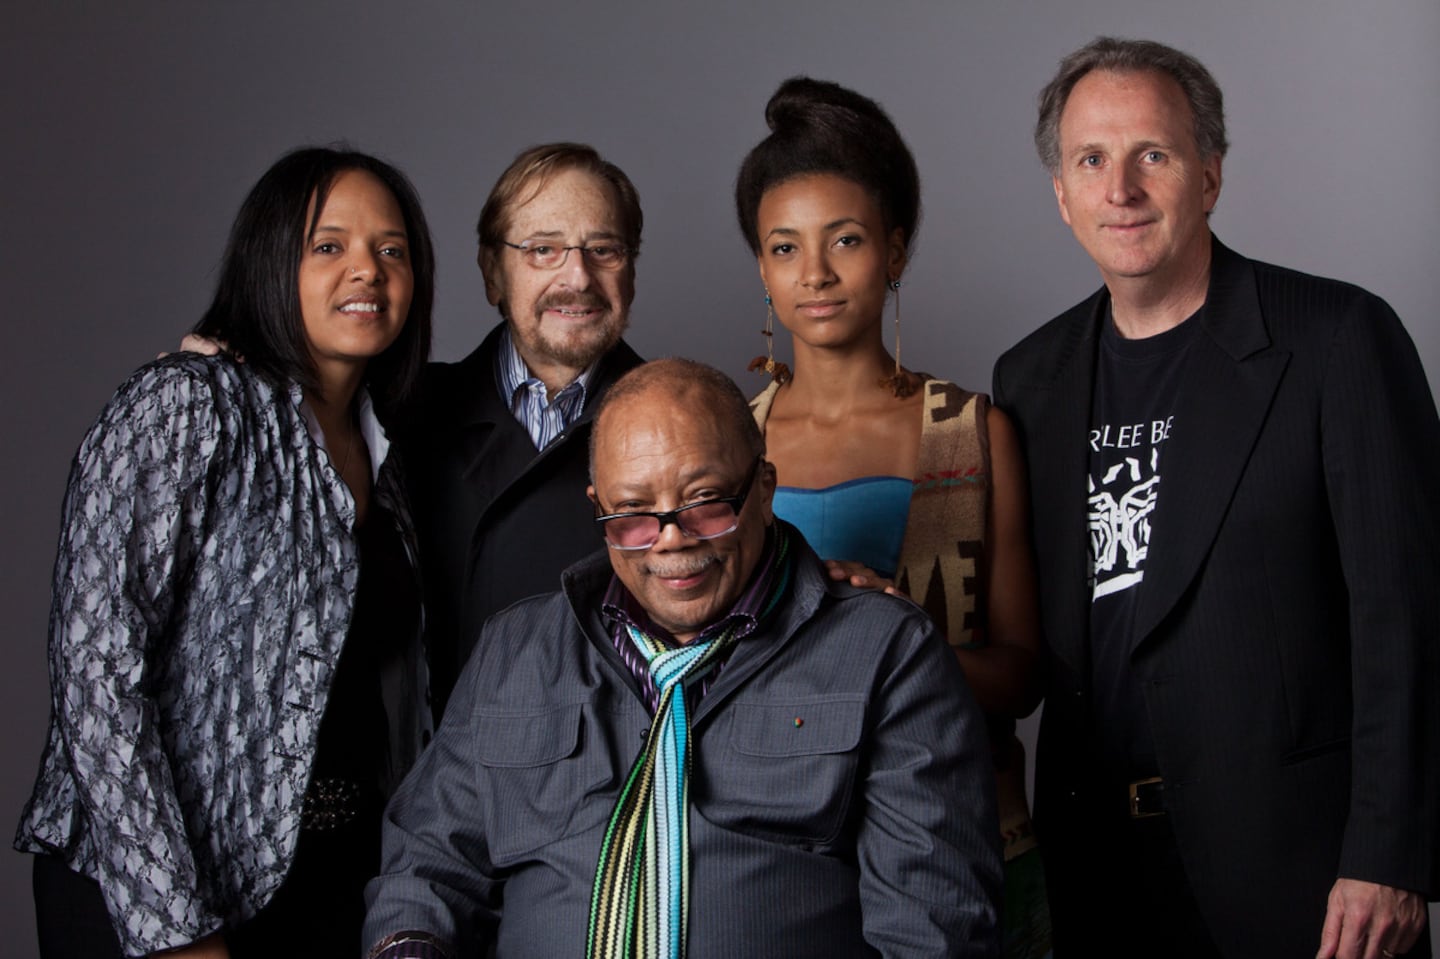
{"x":1240,"y":749}
{"x":497,"y":454}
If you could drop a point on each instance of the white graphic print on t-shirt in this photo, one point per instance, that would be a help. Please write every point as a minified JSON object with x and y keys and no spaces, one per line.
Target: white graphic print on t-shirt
{"x":1122,"y":499}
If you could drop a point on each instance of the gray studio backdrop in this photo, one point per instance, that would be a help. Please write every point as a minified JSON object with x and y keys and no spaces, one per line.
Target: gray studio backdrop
{"x":133,"y":130}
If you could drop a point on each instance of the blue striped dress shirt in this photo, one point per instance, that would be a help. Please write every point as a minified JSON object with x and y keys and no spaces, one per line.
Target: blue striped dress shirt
{"x":543,"y":418}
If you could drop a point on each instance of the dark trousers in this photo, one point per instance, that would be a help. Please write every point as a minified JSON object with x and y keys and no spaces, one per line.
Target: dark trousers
{"x":70,"y":914}
{"x":316,"y":913}
{"x":1136,"y":902}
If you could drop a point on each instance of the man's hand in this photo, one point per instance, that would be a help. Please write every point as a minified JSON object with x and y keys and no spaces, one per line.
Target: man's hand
{"x":195,"y":343}
{"x":1364,"y":920}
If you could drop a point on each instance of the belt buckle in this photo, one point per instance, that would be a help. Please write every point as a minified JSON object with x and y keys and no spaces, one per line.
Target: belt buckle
{"x":1146,"y":801}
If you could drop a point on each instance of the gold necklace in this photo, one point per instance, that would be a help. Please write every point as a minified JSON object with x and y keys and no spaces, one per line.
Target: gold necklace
{"x":349,"y":449}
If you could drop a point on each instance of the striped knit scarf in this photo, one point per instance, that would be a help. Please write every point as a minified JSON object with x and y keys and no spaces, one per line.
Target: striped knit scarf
{"x":638,"y":907}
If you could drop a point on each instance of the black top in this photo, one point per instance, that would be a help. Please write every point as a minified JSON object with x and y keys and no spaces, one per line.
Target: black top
{"x":321,"y":906}
{"x":354,"y":732}
{"x":1137,"y":384}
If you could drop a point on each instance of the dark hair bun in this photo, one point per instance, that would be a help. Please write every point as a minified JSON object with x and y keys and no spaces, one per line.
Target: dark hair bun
{"x":805,"y":102}
{"x":817,"y":126}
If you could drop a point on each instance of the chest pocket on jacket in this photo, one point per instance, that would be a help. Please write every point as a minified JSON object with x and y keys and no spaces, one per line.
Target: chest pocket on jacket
{"x":546,"y":773}
{"x":784,"y":771}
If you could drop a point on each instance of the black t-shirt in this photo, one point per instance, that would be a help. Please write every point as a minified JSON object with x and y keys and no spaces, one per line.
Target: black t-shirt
{"x":1137,"y":385}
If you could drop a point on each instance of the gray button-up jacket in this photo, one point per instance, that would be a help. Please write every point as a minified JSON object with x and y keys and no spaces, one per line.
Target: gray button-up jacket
{"x":841,"y":792}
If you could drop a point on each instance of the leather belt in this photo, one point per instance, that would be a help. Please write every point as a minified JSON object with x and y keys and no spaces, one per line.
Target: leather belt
{"x":1147,"y":798}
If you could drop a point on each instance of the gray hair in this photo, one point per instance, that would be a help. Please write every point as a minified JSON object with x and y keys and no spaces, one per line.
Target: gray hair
{"x":723,"y":399}
{"x":1207,"y":104}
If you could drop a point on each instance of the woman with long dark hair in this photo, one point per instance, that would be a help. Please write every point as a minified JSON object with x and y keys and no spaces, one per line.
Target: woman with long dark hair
{"x":899,"y":479}
{"x":237,"y":681}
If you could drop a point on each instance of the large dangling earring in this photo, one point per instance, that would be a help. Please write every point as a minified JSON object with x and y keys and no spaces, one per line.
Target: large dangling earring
{"x":902,"y":382}
{"x":779,"y":372}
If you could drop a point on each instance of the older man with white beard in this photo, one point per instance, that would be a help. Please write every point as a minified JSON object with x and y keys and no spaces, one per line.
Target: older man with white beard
{"x":497,"y":452}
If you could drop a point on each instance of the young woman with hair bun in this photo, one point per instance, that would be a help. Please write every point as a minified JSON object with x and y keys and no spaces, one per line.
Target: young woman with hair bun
{"x":900,"y":480}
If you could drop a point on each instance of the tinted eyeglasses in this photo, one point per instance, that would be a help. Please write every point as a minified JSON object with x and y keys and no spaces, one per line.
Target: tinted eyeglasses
{"x":706,"y":519}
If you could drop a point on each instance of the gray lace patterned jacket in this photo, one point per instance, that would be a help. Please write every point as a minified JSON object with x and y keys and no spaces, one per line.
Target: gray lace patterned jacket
{"x":202,"y":592}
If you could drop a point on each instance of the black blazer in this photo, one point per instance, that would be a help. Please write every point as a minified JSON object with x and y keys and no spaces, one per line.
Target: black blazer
{"x":1286,"y":633}
{"x":497,"y":521}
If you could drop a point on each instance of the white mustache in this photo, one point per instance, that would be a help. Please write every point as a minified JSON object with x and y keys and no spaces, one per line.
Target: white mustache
{"x":680,"y":567}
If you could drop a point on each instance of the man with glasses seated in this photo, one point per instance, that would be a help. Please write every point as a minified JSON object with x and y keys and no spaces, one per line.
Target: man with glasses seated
{"x":497,"y":452}
{"x":702,"y":745}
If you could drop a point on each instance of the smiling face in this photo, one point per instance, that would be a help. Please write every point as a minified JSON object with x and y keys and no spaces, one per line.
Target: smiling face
{"x":1131,"y":183}
{"x":562,"y":320}
{"x":661,"y":449}
{"x":826,"y":258}
{"x":355,"y":279}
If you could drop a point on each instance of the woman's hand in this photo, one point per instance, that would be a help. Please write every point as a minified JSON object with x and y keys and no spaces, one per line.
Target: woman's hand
{"x":858,"y":574}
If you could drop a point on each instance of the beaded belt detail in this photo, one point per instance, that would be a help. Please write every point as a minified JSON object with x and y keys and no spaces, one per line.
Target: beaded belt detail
{"x":329,"y":804}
